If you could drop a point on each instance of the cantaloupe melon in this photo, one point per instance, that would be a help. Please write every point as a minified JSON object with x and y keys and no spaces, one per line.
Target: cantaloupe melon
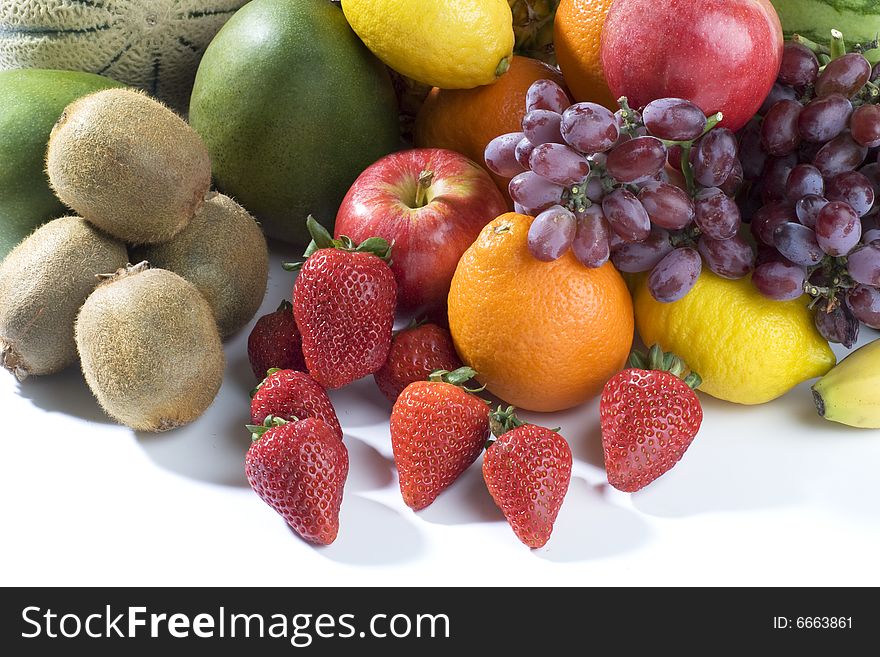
{"x":152,"y":44}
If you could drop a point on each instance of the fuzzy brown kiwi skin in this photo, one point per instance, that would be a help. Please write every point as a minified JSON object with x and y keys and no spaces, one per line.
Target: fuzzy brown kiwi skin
{"x":149,"y":349}
{"x":223,"y":253}
{"x":43,"y":283}
{"x":129,"y":165}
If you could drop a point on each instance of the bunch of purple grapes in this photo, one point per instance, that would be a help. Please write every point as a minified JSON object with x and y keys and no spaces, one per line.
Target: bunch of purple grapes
{"x":597,"y":183}
{"x":810,"y":159}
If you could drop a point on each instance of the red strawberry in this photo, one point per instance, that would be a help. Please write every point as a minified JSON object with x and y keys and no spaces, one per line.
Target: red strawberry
{"x":292,"y":395}
{"x":415,"y":353}
{"x":527,"y":470}
{"x":438,"y":429}
{"x":343,"y":302}
{"x":649,"y":417}
{"x":299,"y":469}
{"x":275,"y":342}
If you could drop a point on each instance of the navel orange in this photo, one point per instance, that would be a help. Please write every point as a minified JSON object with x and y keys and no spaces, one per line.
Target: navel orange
{"x":543,"y":336}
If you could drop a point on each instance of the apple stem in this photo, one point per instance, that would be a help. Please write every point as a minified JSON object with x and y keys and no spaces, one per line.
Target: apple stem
{"x":425,"y":179}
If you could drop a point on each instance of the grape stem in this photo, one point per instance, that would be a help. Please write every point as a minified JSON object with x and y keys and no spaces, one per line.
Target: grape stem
{"x":711,"y":122}
{"x":817,"y":48}
{"x":838,"y":45}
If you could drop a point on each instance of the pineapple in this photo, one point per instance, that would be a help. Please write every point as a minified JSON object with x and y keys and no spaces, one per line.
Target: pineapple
{"x":533,"y":27}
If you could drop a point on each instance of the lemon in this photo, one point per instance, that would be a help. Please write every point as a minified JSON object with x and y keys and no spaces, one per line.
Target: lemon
{"x":451,"y":44}
{"x":747,"y":348}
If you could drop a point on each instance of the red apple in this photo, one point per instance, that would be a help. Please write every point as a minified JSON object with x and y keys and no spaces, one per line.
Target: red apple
{"x":432,"y":203}
{"x":723,"y":55}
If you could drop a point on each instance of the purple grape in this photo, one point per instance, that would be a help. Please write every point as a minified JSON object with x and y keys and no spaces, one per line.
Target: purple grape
{"x":782,"y":281}
{"x":542,"y":127}
{"x":775,"y":177}
{"x":590,"y":245}
{"x":777,"y":92}
{"x":852,"y":188}
{"x":839,"y":155}
{"x":668,"y":206}
{"x":803,"y":180}
{"x":675,"y":275}
{"x":806,"y":152}
{"x":533,"y":192}
{"x":864,"y":303}
{"x":799,"y":65}
{"x":635,"y":257}
{"x":712,"y":157}
{"x":751,"y":155}
{"x":626,"y":215}
{"x":865,"y":125}
{"x":590,"y":128}
{"x":838,"y":228}
{"x":768,"y":218}
{"x":551,"y":233}
{"x":732,"y":258}
{"x":716,"y":214}
{"x":523,"y":152}
{"x":674,"y":119}
{"x":779,"y":132}
{"x":863,"y":264}
{"x":798,"y":243}
{"x":845,"y":75}
{"x":734,"y":181}
{"x":872,"y":173}
{"x":547,"y":95}
{"x":595,"y":190}
{"x":838,"y":324}
{"x":808,"y":208}
{"x":500,"y":155}
{"x":824,"y":118}
{"x":559,"y":163}
{"x":636,"y":160}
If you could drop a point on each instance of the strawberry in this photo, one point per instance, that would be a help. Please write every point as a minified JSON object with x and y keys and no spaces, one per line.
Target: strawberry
{"x":415,"y":353}
{"x":438,"y":429}
{"x":299,"y":469}
{"x":292,"y":395}
{"x":649,"y":417}
{"x":343,"y":303}
{"x":275,"y":343}
{"x":527,"y":471}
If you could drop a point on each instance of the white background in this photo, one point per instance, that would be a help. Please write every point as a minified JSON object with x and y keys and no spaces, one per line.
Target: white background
{"x":765,"y":495}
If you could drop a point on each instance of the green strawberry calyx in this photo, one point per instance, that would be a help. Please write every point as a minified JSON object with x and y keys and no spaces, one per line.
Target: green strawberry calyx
{"x":502,"y":420}
{"x":664,"y":361}
{"x":457,"y":378}
{"x":322,"y":239}
{"x":271,"y":421}
{"x":269,"y":373}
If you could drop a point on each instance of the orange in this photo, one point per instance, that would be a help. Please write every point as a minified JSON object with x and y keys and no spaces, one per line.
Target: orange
{"x":466,"y":120}
{"x":577,"y":37}
{"x":543,"y":336}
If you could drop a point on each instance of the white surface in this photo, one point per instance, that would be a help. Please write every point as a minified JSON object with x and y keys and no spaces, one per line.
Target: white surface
{"x":765,"y":495}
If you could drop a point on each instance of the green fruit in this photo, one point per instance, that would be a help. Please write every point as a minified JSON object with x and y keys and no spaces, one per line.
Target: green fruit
{"x":850,"y":392}
{"x":149,"y":349}
{"x":43,"y":283}
{"x":223,"y":253}
{"x":30,"y":103}
{"x":859,"y":20}
{"x":129,"y":165}
{"x":292,"y":107}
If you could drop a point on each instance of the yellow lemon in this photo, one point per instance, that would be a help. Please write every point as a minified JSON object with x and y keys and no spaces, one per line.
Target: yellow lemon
{"x":747,"y":348}
{"x":451,"y":44}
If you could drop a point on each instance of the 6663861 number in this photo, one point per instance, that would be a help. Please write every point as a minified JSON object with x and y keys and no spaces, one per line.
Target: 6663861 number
{"x":813,"y":623}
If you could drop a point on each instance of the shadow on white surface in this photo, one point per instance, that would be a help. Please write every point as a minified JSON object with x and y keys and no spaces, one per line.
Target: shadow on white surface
{"x":465,"y":502}
{"x":372,"y":534}
{"x":590,"y":526}
{"x":65,"y":392}
{"x":368,"y":469}
{"x":360,"y":405}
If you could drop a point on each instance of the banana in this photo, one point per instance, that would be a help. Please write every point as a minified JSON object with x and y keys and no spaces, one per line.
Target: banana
{"x":850,"y":392}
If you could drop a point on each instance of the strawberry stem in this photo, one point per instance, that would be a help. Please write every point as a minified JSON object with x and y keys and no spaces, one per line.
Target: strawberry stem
{"x":257,"y":430}
{"x":503,"y":420}
{"x":457,"y":378}
{"x":661,"y":361}
{"x":322,"y":239}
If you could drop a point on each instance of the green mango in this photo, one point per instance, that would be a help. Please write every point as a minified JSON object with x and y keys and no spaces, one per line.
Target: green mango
{"x":31,"y":100}
{"x":293,"y":107}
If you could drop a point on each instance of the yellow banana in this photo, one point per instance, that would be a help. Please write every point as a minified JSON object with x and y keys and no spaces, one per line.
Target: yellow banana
{"x":850,"y":392}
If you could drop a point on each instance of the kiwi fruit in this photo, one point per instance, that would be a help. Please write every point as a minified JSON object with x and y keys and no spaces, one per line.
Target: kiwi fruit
{"x":43,"y":282}
{"x":129,"y":165}
{"x":149,"y":348}
{"x":223,"y":253}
